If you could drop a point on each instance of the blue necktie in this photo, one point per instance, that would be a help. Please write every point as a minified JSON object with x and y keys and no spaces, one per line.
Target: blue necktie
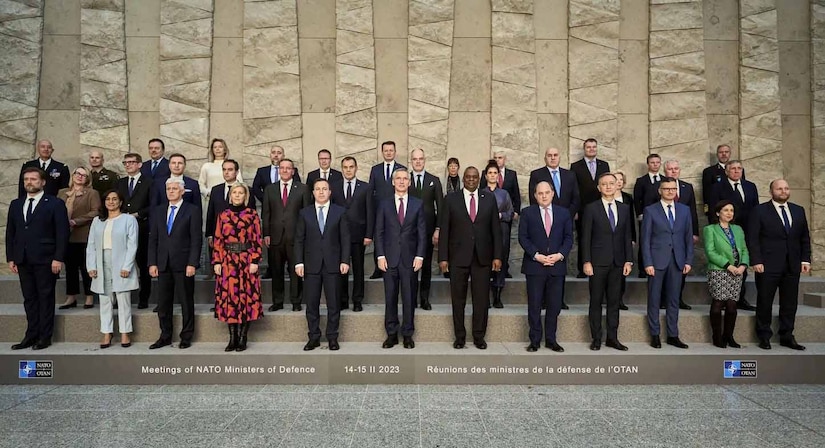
{"x":321,"y":219}
{"x":670,"y":217}
{"x":30,"y":210}
{"x":131,"y":186}
{"x":388,"y":172}
{"x":154,"y":167}
{"x":170,"y":220}
{"x":556,"y":183}
{"x":785,"y":219}
{"x":611,"y":217}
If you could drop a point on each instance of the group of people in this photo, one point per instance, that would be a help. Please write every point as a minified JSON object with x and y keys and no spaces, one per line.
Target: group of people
{"x":150,"y":225}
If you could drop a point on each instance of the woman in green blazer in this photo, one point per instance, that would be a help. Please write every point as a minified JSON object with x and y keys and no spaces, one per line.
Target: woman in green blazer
{"x":727,"y":260}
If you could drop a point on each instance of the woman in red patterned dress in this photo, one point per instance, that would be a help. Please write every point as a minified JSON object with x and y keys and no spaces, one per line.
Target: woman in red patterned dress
{"x":237,"y":252}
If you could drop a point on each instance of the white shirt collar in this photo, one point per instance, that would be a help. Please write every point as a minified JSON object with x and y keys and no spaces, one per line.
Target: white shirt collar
{"x":419,"y":173}
{"x":176,"y":204}
{"x":136,"y":176}
{"x":318,"y":204}
{"x":36,"y":197}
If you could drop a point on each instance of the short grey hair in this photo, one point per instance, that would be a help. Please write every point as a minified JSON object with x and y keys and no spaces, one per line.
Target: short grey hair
{"x":671,"y":162}
{"x":176,"y":180}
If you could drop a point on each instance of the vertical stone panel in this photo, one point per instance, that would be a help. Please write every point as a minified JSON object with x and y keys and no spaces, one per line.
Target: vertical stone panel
{"x":816,"y":214}
{"x":633,"y":100}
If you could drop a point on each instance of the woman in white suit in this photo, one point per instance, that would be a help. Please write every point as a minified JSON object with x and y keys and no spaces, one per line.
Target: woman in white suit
{"x":110,"y":260}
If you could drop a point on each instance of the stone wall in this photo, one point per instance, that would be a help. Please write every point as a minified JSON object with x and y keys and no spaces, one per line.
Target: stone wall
{"x":459,"y":78}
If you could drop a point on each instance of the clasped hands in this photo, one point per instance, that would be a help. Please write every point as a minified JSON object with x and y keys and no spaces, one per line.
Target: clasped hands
{"x":445,"y":265}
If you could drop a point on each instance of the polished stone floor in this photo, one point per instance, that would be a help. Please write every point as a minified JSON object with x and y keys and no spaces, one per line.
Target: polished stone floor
{"x":412,"y":416}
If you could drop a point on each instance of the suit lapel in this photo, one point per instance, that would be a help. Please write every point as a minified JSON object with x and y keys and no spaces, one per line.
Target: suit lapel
{"x":178,"y":215}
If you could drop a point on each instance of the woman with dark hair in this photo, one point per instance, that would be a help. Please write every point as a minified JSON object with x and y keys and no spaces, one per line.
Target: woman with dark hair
{"x":82,"y":204}
{"x":505,"y":216}
{"x":727,"y":260}
{"x":452,"y":182}
{"x":110,"y":261}
{"x":235,"y":258}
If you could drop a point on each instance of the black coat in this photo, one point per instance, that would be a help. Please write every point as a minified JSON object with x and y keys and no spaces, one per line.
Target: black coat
{"x":140,"y":200}
{"x":278,"y":222}
{"x":182,"y":247}
{"x":263,"y":180}
{"x":569,"y":197}
{"x":57,"y":177}
{"x":603,"y":246}
{"x":724,"y":190}
{"x":316,"y":250}
{"x":45,"y":238}
{"x":588,"y":187}
{"x":461,"y":238}
{"x":432,"y":196}
{"x":770,"y":245}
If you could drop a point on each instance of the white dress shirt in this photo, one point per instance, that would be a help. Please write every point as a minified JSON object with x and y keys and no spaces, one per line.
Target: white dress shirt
{"x":779,"y":212}
{"x":37,"y":199}
{"x":664,"y":205}
{"x":177,"y":210}
{"x":740,"y":189}
{"x":467,"y":199}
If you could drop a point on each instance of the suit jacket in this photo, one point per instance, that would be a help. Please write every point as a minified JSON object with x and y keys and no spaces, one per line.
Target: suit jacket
{"x":627,"y":199}
{"x":724,"y":190}
{"x":162,"y":171}
{"x":57,"y":177}
{"x":334,"y":176}
{"x":688,"y":197}
{"x":432,"y":195}
{"x":360,"y":209}
{"x":327,"y":250}
{"x":278,"y":222}
{"x":400,"y":243}
{"x":263,"y":179}
{"x":140,"y":200}
{"x":44,"y":238}
{"x":381,"y":188}
{"x":645,"y":193}
{"x":510,"y":185}
{"x":711,"y":176}
{"x":217,"y":204}
{"x":601,"y":245}
{"x":461,"y":239}
{"x":191,"y":195}
{"x":534,"y":240}
{"x":588,"y":187}
{"x":660,"y":243}
{"x":85,"y":209}
{"x":718,"y":249}
{"x":770,"y":245}
{"x":182,"y":247}
{"x":569,"y":197}
{"x":124,"y":250}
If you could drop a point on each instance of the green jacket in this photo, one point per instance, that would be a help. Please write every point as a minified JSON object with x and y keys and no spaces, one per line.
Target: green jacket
{"x":718,"y":250}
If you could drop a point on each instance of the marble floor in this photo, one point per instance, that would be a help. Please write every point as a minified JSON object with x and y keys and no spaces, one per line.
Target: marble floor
{"x":412,"y":416}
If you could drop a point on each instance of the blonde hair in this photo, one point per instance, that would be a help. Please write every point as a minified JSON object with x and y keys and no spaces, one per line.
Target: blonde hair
{"x":212,"y":149}
{"x":88,"y":178}
{"x":245,"y":193}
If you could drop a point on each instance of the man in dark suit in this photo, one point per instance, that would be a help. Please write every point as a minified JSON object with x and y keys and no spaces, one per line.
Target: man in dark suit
{"x":218,"y":197}
{"x":381,"y":183}
{"x":587,"y":171}
{"x":157,"y":167}
{"x":324,"y":170}
{"x":322,"y":244}
{"x":282,"y":203}
{"x":400,"y":242}
{"x":745,"y":197}
{"x":684,"y":195}
{"x":267,"y":175}
{"x":356,"y":197}
{"x":508,"y":181}
{"x":608,"y":256}
{"x":191,"y":192}
{"x":714,"y":174}
{"x":667,"y":252}
{"x":646,"y":192}
{"x":779,"y":244}
{"x":426,"y":187}
{"x":545,"y":232}
{"x":37,"y":235}
{"x":57,"y":174}
{"x":137,"y":189}
{"x":174,"y":254}
{"x":469,"y":247}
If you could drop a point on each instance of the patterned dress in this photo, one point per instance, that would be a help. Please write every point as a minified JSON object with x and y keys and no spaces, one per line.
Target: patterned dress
{"x":722,"y":284}
{"x":237,"y":291}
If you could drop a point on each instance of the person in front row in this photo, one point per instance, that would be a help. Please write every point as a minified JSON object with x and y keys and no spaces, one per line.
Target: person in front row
{"x":545,"y":232}
{"x":505,"y":216}
{"x":322,"y":251}
{"x":727,"y":261}
{"x":667,"y":252}
{"x":110,"y":261}
{"x":400,"y":239}
{"x":608,"y":256}
{"x":174,"y":254}
{"x":235,"y":258}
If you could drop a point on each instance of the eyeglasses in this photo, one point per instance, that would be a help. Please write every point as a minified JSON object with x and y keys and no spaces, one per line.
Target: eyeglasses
{"x":128,"y":162}
{"x":669,"y":189}
{"x":81,"y":174}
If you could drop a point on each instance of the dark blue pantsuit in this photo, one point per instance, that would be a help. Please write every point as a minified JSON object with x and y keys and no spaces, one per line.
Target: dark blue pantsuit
{"x":547,"y":289}
{"x":665,"y":285}
{"x":312,"y":288}
{"x":399,"y":280}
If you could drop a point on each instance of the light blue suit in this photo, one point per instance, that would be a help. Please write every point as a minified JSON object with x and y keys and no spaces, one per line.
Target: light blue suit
{"x":124,"y":249}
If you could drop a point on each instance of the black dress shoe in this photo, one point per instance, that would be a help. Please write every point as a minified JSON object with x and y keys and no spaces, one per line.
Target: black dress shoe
{"x":655,"y":342}
{"x":312,"y":345}
{"x":66,"y":306}
{"x":744,"y":305}
{"x":596,"y":344}
{"x":425,"y":305}
{"x":480,"y":344}
{"x":764,"y":344}
{"x":581,"y":275}
{"x":267,"y":274}
{"x":344,"y":305}
{"x":160,"y":343}
{"x":684,"y":306}
{"x":357,"y":308}
{"x":212,"y":309}
{"x":533,"y":348}
{"x":142,"y":306}
{"x":333,"y":344}
{"x":458,"y":344}
{"x":408,"y":342}
{"x":184,"y":344}
{"x":41,"y":344}
{"x":296,"y":307}
{"x":390,"y":342}
{"x":554,"y":346}
{"x":564,"y":306}
{"x":732,"y":343}
{"x":616,"y":344}
{"x":376,"y":274}
{"x":791,"y":344}
{"x":25,"y":343}
{"x":622,"y":306}
{"x":275,"y":307}
{"x":662,"y":306}
{"x":676,"y":342}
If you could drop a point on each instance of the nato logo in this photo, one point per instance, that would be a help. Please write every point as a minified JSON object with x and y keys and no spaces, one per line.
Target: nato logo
{"x":740,"y":369}
{"x":35,"y":369}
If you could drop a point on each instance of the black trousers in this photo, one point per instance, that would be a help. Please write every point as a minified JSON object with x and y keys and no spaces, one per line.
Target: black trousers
{"x":399,"y":279}
{"x":141,"y":259}
{"x":498,"y":278}
{"x":788,"y":285}
{"x":76,"y":261}
{"x":37,"y":282}
{"x":173,"y":285}
{"x":580,"y":260}
{"x":280,"y":255}
{"x":479,"y":283}
{"x":421,"y":288}
{"x":605,"y":280}
{"x":357,"y":250}
{"x":329,"y":282}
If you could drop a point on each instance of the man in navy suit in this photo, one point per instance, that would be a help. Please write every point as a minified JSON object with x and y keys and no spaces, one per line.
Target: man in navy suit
{"x":608,"y":257}
{"x":356,"y":196}
{"x":381,"y":183}
{"x":267,"y":175}
{"x":469,"y":247}
{"x":175,"y":238}
{"x":218,"y":198}
{"x":322,"y":245}
{"x":545,"y":232}
{"x":714,"y":174}
{"x":425,"y":186}
{"x":137,"y":189}
{"x":508,"y":181}
{"x":324,"y":171}
{"x":745,"y":198}
{"x":684,"y":195}
{"x":37,"y":235}
{"x":646,"y":192}
{"x":667,"y":252}
{"x":57,"y":174}
{"x":157,"y":167}
{"x":779,"y":244}
{"x":191,"y":192}
{"x":587,"y":171}
{"x":400,"y":239}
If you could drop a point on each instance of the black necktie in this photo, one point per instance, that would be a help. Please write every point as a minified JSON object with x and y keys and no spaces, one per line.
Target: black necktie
{"x":30,"y":210}
{"x":738,"y":192}
{"x":785,"y":220}
{"x":418,"y":183}
{"x":43,"y":165}
{"x":349,"y":190}
{"x":228,"y":189}
{"x":131,"y":186}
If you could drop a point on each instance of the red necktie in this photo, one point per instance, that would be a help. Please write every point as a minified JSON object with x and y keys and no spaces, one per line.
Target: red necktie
{"x":401,"y":210}
{"x":472,"y":207}
{"x":284,"y":196}
{"x":500,"y":181}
